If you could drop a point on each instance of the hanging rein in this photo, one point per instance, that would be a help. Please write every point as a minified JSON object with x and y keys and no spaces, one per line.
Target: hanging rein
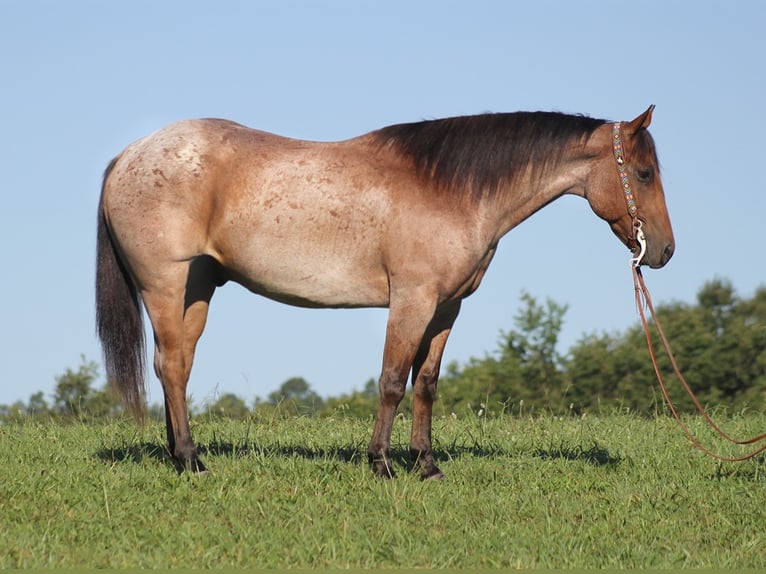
{"x":643,"y":299}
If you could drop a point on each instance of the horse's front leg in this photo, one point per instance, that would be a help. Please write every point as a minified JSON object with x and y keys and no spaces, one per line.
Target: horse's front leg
{"x":425,"y":376}
{"x":406,"y":326}
{"x":392,"y":386}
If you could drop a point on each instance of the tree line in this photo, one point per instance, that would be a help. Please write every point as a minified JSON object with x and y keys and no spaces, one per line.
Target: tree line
{"x":719,"y":343}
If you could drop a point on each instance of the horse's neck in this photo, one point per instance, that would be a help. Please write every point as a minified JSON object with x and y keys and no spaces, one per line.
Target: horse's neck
{"x":529,"y":194}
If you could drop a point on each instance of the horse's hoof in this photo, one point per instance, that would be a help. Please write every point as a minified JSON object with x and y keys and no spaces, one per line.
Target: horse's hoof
{"x":432,"y":474}
{"x":382,"y":469}
{"x":193,"y":466}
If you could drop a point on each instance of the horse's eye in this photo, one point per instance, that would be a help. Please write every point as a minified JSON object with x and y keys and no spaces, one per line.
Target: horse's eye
{"x":645,"y":175}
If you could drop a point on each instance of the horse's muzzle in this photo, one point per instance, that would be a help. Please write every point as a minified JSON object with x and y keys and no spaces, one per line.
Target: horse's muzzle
{"x":656,"y":260}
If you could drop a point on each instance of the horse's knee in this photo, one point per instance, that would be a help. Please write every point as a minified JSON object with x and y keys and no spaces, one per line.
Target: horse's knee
{"x":424,"y":386}
{"x":392,"y":388}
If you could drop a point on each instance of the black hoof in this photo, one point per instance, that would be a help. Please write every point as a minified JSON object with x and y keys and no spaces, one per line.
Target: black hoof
{"x":196,"y":467}
{"x":424,"y":460}
{"x":193,"y":465}
{"x":432,"y":474}
{"x":382,"y":468}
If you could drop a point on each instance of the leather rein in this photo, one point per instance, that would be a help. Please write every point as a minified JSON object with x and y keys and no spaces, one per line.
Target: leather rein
{"x":637,"y":243}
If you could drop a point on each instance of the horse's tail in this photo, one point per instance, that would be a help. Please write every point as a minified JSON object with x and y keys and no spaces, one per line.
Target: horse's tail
{"x":119,"y":319}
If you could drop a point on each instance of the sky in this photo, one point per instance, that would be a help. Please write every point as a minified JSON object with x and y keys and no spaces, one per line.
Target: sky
{"x":80,"y":80}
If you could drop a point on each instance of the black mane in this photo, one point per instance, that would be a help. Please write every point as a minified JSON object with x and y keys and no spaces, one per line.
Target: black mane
{"x":476,"y":154}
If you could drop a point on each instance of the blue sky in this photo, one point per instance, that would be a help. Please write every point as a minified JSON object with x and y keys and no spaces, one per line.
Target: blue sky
{"x":80,"y":80}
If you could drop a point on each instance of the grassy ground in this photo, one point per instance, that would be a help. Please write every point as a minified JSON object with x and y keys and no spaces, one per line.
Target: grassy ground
{"x":593,"y":492}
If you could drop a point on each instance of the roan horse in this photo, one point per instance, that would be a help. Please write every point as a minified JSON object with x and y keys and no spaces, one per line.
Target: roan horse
{"x":407,"y":217}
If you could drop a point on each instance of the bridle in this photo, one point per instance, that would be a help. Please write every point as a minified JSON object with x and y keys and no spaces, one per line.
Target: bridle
{"x":643,"y":299}
{"x":638,"y":240}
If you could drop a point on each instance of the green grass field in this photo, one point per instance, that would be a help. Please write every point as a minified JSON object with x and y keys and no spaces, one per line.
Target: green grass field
{"x":593,"y":492}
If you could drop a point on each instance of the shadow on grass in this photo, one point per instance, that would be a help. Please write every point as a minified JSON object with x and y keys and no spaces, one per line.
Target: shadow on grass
{"x":595,"y":455}
{"x":135,"y":453}
{"x":349,"y":453}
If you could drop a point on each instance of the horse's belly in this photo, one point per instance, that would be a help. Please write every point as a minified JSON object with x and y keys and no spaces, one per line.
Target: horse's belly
{"x":311,"y":280}
{"x":312,"y":249}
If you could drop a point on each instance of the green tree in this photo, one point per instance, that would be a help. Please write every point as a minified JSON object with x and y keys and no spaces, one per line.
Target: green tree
{"x":534,"y":345}
{"x":75,"y":395}
{"x":37,"y":406}
{"x":104,"y":403}
{"x":74,"y":389}
{"x":524,"y":371}
{"x":359,"y":403}
{"x":296,"y":396}
{"x":610,"y":371}
{"x":229,"y":405}
{"x":719,"y":345}
{"x":12,"y":413}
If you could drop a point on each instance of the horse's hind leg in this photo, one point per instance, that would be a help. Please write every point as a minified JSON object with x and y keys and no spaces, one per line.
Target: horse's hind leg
{"x":425,"y":375}
{"x":178,"y":316}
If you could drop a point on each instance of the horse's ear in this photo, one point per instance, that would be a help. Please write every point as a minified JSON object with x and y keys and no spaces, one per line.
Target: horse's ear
{"x":642,"y":121}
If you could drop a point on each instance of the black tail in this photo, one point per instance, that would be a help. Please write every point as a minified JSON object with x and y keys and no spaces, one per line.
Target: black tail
{"x":119,"y":319}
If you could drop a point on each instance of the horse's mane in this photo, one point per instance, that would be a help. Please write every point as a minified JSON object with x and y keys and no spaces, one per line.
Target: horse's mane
{"x":474,"y":155}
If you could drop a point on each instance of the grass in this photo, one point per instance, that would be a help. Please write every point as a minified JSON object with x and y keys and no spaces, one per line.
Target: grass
{"x":593,"y":492}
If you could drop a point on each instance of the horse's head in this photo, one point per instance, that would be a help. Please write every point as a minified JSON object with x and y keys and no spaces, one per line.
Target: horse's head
{"x":628,"y":191}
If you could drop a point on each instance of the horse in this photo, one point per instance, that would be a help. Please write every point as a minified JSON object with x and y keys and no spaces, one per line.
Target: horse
{"x":406,"y":217}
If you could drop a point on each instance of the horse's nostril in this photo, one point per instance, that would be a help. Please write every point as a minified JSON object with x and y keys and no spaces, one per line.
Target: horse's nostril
{"x":667,"y":253}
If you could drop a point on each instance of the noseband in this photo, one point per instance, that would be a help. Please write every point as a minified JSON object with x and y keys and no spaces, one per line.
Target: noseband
{"x":638,"y":241}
